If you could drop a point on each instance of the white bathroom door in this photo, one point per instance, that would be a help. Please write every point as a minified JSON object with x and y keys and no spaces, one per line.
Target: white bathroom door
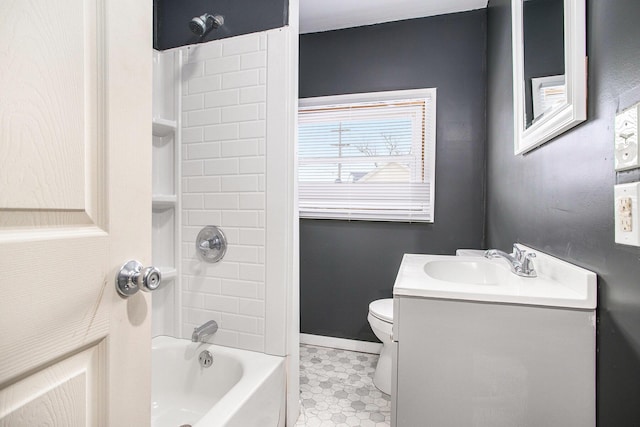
{"x":75,"y":204}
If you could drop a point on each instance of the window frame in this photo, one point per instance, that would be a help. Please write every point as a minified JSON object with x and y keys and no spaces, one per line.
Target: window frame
{"x":428,"y":146}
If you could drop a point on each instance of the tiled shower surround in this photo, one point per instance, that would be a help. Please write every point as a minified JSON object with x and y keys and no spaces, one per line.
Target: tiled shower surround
{"x":223,"y":184}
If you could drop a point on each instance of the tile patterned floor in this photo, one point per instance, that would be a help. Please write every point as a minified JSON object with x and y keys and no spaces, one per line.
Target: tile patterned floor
{"x":336,"y":389}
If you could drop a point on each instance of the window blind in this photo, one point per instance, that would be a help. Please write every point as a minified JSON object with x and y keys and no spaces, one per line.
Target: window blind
{"x":367,"y":160}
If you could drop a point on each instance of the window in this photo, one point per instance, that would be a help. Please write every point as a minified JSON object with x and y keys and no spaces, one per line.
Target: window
{"x":368,"y":156}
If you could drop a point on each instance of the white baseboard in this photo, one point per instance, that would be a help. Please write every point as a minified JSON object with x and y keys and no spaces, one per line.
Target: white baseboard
{"x":341,"y":343}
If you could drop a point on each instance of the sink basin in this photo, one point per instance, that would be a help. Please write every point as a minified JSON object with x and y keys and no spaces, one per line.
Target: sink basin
{"x":475,"y":278}
{"x":468,"y":272}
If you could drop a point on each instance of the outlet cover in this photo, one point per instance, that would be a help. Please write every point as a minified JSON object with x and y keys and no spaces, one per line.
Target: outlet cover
{"x":627,"y":226}
{"x":626,"y":139}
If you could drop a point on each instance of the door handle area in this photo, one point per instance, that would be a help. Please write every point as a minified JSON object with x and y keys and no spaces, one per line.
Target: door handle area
{"x":132,"y":277}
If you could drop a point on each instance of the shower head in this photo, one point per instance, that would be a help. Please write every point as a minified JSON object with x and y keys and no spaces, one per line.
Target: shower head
{"x":201,"y":25}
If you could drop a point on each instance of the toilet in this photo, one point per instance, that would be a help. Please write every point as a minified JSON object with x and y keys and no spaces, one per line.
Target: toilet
{"x":381,"y":320}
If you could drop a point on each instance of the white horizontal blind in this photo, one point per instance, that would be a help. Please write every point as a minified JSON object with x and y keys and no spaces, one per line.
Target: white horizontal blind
{"x":368,"y":159}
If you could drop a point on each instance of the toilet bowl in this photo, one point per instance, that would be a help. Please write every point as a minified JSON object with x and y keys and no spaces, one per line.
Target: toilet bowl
{"x":381,"y":320}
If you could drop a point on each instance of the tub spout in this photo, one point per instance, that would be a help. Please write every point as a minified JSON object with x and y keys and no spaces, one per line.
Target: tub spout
{"x":201,"y":332}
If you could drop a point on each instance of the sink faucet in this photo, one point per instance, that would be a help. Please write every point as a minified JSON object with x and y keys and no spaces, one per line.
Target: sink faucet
{"x":521,"y":263}
{"x":201,"y":332}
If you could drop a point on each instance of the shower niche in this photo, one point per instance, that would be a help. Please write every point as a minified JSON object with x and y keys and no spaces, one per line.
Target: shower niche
{"x":166,"y":157}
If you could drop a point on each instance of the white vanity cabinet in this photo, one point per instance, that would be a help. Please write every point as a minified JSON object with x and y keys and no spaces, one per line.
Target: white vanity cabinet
{"x":461,"y":362}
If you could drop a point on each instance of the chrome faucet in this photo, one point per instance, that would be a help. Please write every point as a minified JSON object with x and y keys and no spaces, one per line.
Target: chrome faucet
{"x":521,"y":263}
{"x":201,"y":332}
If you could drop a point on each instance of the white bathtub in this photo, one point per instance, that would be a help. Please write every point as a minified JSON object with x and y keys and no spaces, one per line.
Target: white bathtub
{"x":242,"y":388}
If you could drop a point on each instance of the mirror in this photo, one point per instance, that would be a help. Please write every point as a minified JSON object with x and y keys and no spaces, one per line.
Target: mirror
{"x":549,"y":69}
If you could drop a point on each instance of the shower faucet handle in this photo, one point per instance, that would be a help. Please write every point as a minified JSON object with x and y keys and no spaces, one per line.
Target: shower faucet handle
{"x":211,"y":244}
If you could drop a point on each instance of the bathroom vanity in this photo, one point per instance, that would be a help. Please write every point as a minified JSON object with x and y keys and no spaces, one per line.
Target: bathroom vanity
{"x":477,"y":345}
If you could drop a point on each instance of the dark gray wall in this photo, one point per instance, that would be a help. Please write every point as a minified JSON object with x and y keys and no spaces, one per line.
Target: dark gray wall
{"x":171,"y":19}
{"x":346,"y":265}
{"x":559,"y":197}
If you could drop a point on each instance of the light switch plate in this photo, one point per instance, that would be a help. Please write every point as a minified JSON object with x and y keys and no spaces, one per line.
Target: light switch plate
{"x":627,"y":226}
{"x":626,"y":139}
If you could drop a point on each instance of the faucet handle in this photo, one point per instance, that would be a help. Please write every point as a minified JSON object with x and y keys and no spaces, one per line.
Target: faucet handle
{"x":518,"y":253}
{"x":527,"y":264}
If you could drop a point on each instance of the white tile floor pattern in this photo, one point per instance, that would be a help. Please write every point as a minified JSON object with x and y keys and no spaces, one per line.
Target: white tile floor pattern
{"x":336,"y":389}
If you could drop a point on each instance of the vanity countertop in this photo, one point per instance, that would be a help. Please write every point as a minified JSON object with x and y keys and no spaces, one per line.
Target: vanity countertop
{"x":475,"y":278}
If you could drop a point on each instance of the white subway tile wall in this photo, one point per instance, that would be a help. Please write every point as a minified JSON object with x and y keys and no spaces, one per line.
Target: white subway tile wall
{"x":223,"y":167}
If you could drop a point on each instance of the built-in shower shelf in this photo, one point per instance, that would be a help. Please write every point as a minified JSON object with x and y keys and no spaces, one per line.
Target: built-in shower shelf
{"x":168,"y":272}
{"x":164,"y":201}
{"x":166,"y":157}
{"x":163,"y":127}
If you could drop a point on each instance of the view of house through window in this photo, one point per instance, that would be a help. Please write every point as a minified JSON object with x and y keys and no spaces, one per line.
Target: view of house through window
{"x":368,"y":156}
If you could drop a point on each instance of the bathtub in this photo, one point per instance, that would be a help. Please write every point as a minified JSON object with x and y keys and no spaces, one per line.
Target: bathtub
{"x":241,"y":388}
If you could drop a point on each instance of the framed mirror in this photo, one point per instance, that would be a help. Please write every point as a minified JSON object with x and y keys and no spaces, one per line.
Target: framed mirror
{"x":549,"y":69}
